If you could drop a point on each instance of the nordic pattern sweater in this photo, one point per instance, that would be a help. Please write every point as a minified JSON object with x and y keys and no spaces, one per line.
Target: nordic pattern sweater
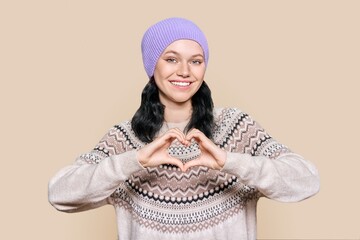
{"x":165,"y":203}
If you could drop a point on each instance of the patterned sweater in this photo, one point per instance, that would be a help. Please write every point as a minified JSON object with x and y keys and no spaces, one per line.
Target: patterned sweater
{"x":165,"y":203}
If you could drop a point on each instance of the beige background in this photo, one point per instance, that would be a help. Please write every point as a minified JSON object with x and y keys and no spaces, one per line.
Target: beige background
{"x":70,"y":70}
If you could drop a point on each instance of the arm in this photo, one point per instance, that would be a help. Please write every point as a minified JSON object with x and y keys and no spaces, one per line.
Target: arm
{"x":244,"y":149}
{"x":94,"y":176}
{"x":288,"y":178}
{"x":258,"y":160}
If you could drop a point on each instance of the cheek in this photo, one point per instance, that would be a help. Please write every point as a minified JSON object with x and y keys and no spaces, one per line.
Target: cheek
{"x":163,"y":71}
{"x":199,"y":73}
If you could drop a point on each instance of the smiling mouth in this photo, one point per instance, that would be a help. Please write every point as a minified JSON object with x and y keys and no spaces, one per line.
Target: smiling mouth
{"x":180,"y":84}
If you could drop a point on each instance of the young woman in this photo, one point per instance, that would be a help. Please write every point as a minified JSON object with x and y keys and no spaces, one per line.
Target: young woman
{"x":181,"y":169}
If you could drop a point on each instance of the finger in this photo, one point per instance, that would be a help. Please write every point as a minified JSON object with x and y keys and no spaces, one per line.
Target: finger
{"x":162,"y":142}
{"x":179,"y":133}
{"x":203,"y":141}
{"x":184,"y":140}
{"x":196,"y":134}
{"x":193,"y":163}
{"x":176,"y":162}
{"x":170,"y":136}
{"x":181,"y":136}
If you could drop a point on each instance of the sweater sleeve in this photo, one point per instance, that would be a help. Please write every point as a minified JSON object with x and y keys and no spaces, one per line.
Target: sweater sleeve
{"x":94,"y":176}
{"x":260,"y":161}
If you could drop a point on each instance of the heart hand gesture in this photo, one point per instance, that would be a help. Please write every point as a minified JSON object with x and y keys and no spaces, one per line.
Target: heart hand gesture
{"x":211,"y":155}
{"x":156,"y":152}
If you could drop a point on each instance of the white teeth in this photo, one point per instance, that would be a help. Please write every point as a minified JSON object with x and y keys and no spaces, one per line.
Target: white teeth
{"x":182,"y":84}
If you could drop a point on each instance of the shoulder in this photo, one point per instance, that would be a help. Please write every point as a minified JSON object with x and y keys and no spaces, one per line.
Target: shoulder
{"x":228,"y":113}
{"x":120,"y":138}
{"x":233,"y":123}
{"x":127,"y":132}
{"x":236,"y":131}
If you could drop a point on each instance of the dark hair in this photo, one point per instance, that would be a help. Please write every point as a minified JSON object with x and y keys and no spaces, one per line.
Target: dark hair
{"x":149,"y":118}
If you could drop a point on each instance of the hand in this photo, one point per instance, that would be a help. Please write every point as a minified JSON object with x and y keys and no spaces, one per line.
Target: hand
{"x":211,"y":155}
{"x":156,"y":152}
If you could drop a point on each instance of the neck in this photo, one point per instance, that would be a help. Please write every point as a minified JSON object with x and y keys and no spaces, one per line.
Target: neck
{"x":177,"y":113}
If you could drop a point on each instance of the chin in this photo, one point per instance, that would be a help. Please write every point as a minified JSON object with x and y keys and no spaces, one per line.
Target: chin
{"x":181,"y":100}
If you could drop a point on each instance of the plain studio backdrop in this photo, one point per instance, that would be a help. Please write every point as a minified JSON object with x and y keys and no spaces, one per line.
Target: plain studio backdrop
{"x":70,"y":70}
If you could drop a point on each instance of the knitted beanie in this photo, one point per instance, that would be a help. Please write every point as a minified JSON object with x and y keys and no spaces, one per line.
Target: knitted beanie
{"x":160,"y":35}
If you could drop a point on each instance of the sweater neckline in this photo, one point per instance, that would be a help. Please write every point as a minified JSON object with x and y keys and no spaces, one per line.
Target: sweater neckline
{"x":179,"y":125}
{"x":169,"y":125}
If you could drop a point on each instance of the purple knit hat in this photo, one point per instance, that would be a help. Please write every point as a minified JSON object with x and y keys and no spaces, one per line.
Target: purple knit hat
{"x":160,"y":35}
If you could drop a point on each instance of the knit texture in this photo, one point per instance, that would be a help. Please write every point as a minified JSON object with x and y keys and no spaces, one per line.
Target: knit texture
{"x":159,"y":36}
{"x":165,"y":203}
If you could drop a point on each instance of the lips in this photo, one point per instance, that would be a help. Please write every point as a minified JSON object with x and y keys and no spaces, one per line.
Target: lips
{"x":180,"y":83}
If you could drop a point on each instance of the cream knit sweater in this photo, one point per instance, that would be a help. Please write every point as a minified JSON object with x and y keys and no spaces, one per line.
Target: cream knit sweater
{"x":165,"y":203}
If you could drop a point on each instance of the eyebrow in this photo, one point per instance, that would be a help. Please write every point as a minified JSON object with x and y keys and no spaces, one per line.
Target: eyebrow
{"x":176,"y":53}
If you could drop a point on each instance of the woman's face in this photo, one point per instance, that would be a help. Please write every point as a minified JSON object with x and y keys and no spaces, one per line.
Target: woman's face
{"x":179,"y":72}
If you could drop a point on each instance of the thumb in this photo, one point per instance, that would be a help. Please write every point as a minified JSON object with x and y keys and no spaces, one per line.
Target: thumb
{"x":176,"y":162}
{"x":192,"y":163}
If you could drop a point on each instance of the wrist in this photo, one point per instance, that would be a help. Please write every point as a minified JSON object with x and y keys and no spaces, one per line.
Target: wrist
{"x":222,"y":159}
{"x":139,"y":158}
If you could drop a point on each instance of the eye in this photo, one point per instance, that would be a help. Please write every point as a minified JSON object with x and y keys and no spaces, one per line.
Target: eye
{"x":196,"y":62}
{"x":171,"y":60}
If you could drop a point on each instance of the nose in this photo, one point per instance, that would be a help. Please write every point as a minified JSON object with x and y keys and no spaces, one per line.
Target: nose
{"x":183,"y":70}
